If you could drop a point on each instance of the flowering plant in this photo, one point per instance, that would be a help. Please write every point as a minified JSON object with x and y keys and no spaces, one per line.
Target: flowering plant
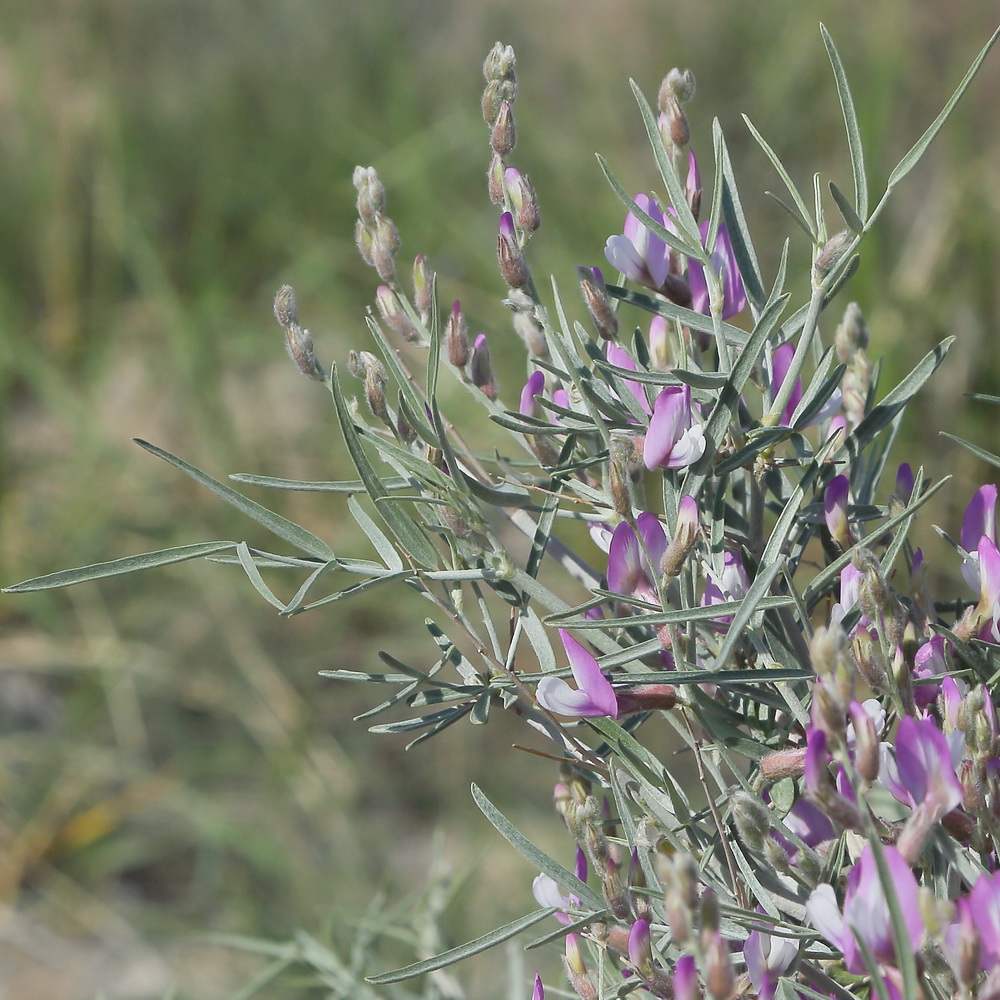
{"x":747,"y":580}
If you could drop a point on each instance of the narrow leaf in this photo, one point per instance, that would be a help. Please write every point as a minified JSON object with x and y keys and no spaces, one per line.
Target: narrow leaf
{"x":409,"y":535}
{"x":853,"y":133}
{"x":540,"y":860}
{"x":275,"y":523}
{"x":253,"y":574}
{"x":473,"y":947}
{"x":118,"y":567}
{"x":847,"y":210}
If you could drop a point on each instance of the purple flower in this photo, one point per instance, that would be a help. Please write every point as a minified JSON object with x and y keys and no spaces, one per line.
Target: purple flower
{"x":781,"y":361}
{"x":983,"y":909}
{"x":685,"y":978}
{"x":594,"y":697}
{"x":640,"y":951}
{"x":730,"y":586}
{"x":734,"y":296}
{"x":538,"y":993}
{"x":930,"y":660}
{"x":866,"y":911}
{"x":835,"y":511}
{"x":634,"y":560}
{"x":988,"y":564}
{"x":979,"y":518}
{"x":547,"y":892}
{"x":767,"y":958}
{"x":659,"y":347}
{"x":535,"y":386}
{"x":674,"y":439}
{"x":904,"y":482}
{"x":640,"y":255}
{"x":924,"y":772}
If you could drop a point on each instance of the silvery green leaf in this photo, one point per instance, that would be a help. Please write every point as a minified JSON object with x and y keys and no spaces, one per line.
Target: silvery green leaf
{"x":407,"y":532}
{"x":669,"y":310}
{"x":539,"y":859}
{"x":860,"y":207}
{"x":980,"y":453}
{"x":253,"y":574}
{"x":474,"y":947}
{"x":672,"y":240}
{"x":117,"y":567}
{"x":790,"y":212}
{"x":854,"y":223}
{"x":376,"y":536}
{"x":736,"y":224}
{"x":275,"y":523}
{"x":344,"y":486}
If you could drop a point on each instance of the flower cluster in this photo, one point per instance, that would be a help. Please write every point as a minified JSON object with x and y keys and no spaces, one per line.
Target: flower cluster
{"x":712,"y":535}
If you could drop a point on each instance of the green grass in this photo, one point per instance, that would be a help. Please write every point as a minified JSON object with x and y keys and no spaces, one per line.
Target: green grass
{"x":171,"y":764}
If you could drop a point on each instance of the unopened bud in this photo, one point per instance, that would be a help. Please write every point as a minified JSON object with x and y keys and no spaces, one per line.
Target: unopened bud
{"x":678,"y":85}
{"x":503,"y":134}
{"x":481,"y":368}
{"x":595,"y":295}
{"x":685,"y":535}
{"x":853,"y":334}
{"x":424,"y":285}
{"x":513,"y":265}
{"x":640,"y":950}
{"x":523,"y":200}
{"x":870,"y":661}
{"x":501,"y":81}
{"x":371,"y":194}
{"x":456,"y":337}
{"x":577,"y":971}
{"x":385,"y":243}
{"x":720,"y":977}
{"x":285,"y":307}
{"x":831,"y":253}
{"x":298,"y":342}
{"x":366,"y":366}
{"x":826,"y":649}
{"x":394,"y":315}
{"x":866,"y":742}
{"x":526,"y":326}
{"x":776,"y":856}
{"x":499,"y":63}
{"x":619,"y":471}
{"x":363,"y":238}
{"x":752,"y":819}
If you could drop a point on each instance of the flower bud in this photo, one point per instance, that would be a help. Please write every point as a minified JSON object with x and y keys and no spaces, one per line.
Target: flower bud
{"x":424,"y":282}
{"x":577,"y":971}
{"x":595,"y":295}
{"x":831,"y":253}
{"x":371,"y":194}
{"x":298,"y":342}
{"x":513,"y":265}
{"x":363,"y":239}
{"x":835,"y":511}
{"x":523,"y":200}
{"x":685,"y":536}
{"x":366,"y":366}
{"x":525,"y":324}
{"x":503,"y":134}
{"x":640,"y":951}
{"x":456,"y":337}
{"x":394,"y":315}
{"x":481,"y":368}
{"x":866,"y":742}
{"x":501,"y":81}
{"x":678,"y":85}
{"x":752,"y":819}
{"x":720,"y":977}
{"x":385,"y":243}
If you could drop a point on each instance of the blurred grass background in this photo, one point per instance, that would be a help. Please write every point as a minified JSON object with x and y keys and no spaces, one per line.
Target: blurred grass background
{"x":170,"y":764}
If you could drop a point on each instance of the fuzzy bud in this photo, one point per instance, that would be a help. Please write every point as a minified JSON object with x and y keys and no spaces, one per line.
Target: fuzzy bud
{"x":595,"y":295}
{"x":503,"y":134}
{"x":513,"y":265}
{"x":523,"y":200}
{"x":481,"y":368}
{"x":501,"y":81}
{"x":385,"y":243}
{"x":298,"y":342}
{"x":752,"y":819}
{"x":366,"y":366}
{"x":363,"y":239}
{"x":866,"y":742}
{"x":619,"y":471}
{"x":852,"y":335}
{"x":577,"y":971}
{"x":394,"y":315}
{"x":456,"y":337}
{"x":677,"y":85}
{"x":424,"y":287}
{"x":830,"y":255}
{"x":371,"y":194}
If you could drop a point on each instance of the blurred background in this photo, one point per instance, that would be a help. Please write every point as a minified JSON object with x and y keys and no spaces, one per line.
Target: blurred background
{"x":171,"y":766}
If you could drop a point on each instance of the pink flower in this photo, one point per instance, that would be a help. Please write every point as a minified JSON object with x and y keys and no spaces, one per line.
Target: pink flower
{"x":674,"y":439}
{"x":594,"y":696}
{"x":634,"y":560}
